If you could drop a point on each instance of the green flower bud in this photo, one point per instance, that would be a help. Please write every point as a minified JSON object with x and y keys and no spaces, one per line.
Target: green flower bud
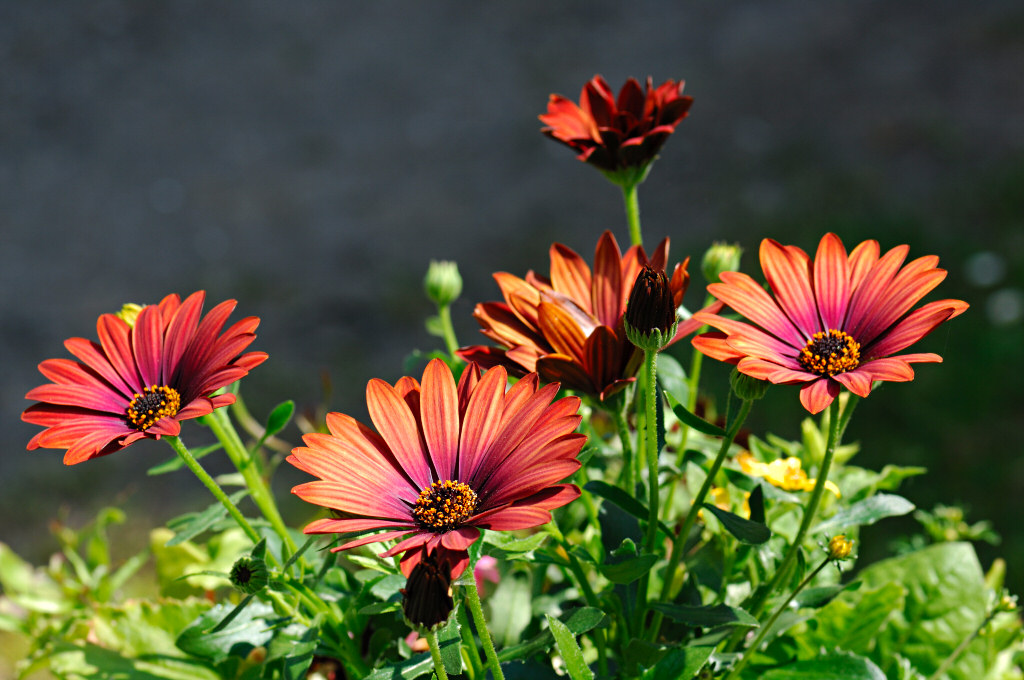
{"x":747,"y":387}
{"x":650,"y":317}
{"x":129,"y":312}
{"x":249,"y":575}
{"x":443,"y":283}
{"x":720,"y":257}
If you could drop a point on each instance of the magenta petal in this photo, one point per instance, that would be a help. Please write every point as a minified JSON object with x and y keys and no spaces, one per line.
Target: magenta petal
{"x":819,"y":394}
{"x":460,"y":539}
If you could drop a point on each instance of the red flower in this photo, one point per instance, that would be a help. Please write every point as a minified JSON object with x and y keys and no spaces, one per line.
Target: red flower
{"x":569,"y":328}
{"x":445,"y":462}
{"x":142,"y":380}
{"x":616,"y":134}
{"x":835,"y":322}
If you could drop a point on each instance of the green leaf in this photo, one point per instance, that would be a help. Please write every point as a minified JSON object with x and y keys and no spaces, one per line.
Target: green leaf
{"x":630,"y":569}
{"x":829,"y":666}
{"x":290,"y":653}
{"x":692,"y":420}
{"x":570,"y":651}
{"x":177,"y":463}
{"x":192,"y":524}
{"x":449,"y":642}
{"x":578,"y":621}
{"x":206,"y":639}
{"x":510,"y":607}
{"x":745,"y":530}
{"x":867,"y":511}
{"x":622,"y":499}
{"x":707,"y":616}
{"x":680,"y":664}
{"x":672,"y":378}
{"x":504,"y":545}
{"x":421,"y":664}
{"x":278,"y":419}
{"x":853,"y":622}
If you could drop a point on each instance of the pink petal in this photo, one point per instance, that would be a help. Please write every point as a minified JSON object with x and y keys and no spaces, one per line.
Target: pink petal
{"x":510,"y":518}
{"x":354,"y":496}
{"x":482,"y":421}
{"x":92,"y":356}
{"x":113,"y":335}
{"x":460,"y":539}
{"x":439,"y":411}
{"x":104,"y":400}
{"x":875,"y":284}
{"x":396,"y":425}
{"x":817,"y":395}
{"x":375,"y":538}
{"x":857,"y":381}
{"x":180,"y":330}
{"x":786,"y":269}
{"x":832,"y":280}
{"x":914,"y":326}
{"x":743,"y":294}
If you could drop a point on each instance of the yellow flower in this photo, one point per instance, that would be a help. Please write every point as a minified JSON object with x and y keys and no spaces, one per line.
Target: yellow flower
{"x":785,"y":473}
{"x":839,"y":547}
{"x":719,"y":497}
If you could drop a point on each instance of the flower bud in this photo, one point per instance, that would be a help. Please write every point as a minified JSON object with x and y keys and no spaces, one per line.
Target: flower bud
{"x":128,"y":313}
{"x":746,"y":387}
{"x":720,"y":257}
{"x":249,"y":575}
{"x":443,"y":283}
{"x":427,"y":597}
{"x":839,"y":547}
{"x":650,"y":318}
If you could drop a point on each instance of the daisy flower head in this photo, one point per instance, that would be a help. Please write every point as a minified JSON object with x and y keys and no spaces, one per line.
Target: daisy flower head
{"x":446,"y":460}
{"x":837,"y":321}
{"x":151,"y":369}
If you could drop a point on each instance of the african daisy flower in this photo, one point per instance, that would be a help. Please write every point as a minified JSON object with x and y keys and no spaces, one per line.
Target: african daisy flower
{"x":141,"y":379}
{"x":445,"y":461}
{"x":569,"y":328}
{"x":838,"y":321}
{"x":616,"y":134}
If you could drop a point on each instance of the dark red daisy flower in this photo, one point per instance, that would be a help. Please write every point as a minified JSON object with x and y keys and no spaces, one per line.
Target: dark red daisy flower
{"x":445,"y":462}
{"x":612,"y":133}
{"x":140,"y":380}
{"x":839,"y":321}
{"x":569,"y":328}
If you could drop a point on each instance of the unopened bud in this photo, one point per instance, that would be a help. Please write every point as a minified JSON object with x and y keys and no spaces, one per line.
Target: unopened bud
{"x":443,"y":283}
{"x":427,"y":597}
{"x":839,"y":547}
{"x":129,"y":313}
{"x":249,"y":575}
{"x":650,"y":318}
{"x":747,"y":388}
{"x":720,"y":257}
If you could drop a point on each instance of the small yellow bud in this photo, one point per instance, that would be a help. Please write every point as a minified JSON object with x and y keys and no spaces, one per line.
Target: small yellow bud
{"x":839,"y":547}
{"x":129,"y":313}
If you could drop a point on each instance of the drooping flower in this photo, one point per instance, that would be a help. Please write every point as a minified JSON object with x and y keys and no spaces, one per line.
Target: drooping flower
{"x":617,"y":134}
{"x":445,"y":462}
{"x":839,"y":321}
{"x":784,"y":473}
{"x":427,"y":597}
{"x":141,"y":379}
{"x":569,"y":328}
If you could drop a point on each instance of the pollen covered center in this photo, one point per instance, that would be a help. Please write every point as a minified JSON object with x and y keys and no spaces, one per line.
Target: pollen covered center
{"x":444,"y":506}
{"x":830,"y":353}
{"x":154,"y":403}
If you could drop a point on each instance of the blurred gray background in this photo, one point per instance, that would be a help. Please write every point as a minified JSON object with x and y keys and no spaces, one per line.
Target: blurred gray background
{"x":309,"y":159}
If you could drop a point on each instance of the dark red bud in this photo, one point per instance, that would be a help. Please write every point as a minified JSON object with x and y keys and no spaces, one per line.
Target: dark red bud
{"x":651,"y":306}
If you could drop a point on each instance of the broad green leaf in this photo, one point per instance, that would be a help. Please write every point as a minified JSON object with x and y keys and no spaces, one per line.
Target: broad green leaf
{"x":708,"y":616}
{"x":509,"y":607}
{"x":672,"y":378}
{"x":867,"y":511}
{"x":622,"y":499}
{"x":508,"y":544}
{"x":192,"y":524}
{"x":680,"y":664}
{"x":853,"y":622}
{"x":745,"y":530}
{"x":692,"y":420}
{"x":643,"y":653}
{"x":205,"y":639}
{"x":290,"y":653}
{"x":628,"y":570}
{"x":578,"y":621}
{"x":570,"y":651}
{"x":830,"y":666}
{"x":93,"y":662}
{"x":449,"y":642}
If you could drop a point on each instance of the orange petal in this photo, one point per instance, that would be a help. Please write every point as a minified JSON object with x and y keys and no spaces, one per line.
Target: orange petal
{"x":832,"y":280}
{"x":786,"y":268}
{"x":570,"y":275}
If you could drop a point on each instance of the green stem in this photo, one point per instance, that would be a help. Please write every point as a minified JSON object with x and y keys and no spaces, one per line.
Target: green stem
{"x":477,"y":611}
{"x":435,"y":654}
{"x":766,"y":628}
{"x":444,"y":313}
{"x":629,"y":197}
{"x":225,"y":432}
{"x":679,"y":544}
{"x":218,"y":493}
{"x":591,"y":599}
{"x":962,"y":647}
{"x":651,"y":403}
{"x":812,"y":508}
{"x":469,"y":643}
{"x":626,"y":475}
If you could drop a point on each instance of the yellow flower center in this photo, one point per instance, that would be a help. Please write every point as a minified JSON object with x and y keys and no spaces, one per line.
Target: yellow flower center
{"x":153,"y":404}
{"x":830,"y":353}
{"x":444,"y":506}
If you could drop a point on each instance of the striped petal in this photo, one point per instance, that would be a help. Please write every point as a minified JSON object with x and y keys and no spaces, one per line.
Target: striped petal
{"x":482,"y":421}
{"x":396,"y":425}
{"x":570,"y":275}
{"x":787,"y":271}
{"x":743,"y":294}
{"x":439,"y":412}
{"x":915,"y":326}
{"x":831,"y":281}
{"x":816,"y":396}
{"x":606,"y":285}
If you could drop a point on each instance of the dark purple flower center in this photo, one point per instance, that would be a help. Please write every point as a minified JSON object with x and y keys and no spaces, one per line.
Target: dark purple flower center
{"x":830,"y":353}
{"x":154,"y":403}
{"x":444,"y":506}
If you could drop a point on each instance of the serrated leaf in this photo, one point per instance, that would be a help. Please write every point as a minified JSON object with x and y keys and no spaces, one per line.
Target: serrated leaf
{"x":628,"y":570}
{"x":570,"y":651}
{"x":829,"y":666}
{"x":692,"y":420}
{"x":745,"y":530}
{"x":680,"y":664}
{"x":865,"y":512}
{"x":578,"y":621}
{"x":707,"y":616}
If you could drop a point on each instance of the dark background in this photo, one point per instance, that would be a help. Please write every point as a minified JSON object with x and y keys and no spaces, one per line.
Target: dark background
{"x":309,"y":159}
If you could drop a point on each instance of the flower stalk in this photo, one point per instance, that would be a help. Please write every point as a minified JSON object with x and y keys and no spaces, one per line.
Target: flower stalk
{"x":476,"y":610}
{"x":435,"y":654}
{"x":632,"y":205}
